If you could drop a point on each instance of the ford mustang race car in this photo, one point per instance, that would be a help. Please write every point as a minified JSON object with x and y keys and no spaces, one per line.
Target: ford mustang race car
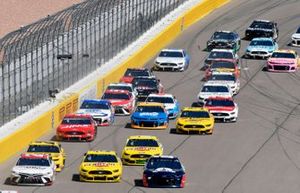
{"x":122,"y":101}
{"x":122,"y":87}
{"x":296,"y":38}
{"x":164,"y":171}
{"x":226,"y":78}
{"x":221,"y":54}
{"x":77,"y":127}
{"x":145,"y":86}
{"x":214,"y":90}
{"x":100,"y":166}
{"x":169,"y":101}
{"x":33,"y":169}
{"x":101,"y":110}
{"x":261,"y":48}
{"x":51,"y":148}
{"x":136,"y":72}
{"x":224,"y":40}
{"x":172,"y":59}
{"x":283,"y":61}
{"x":222,"y":108}
{"x":223,"y":66}
{"x":262,"y":28}
{"x":140,"y":148}
{"x":149,"y":116}
{"x":195,"y":120}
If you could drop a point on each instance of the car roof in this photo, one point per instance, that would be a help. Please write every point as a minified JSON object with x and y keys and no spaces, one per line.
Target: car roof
{"x":138,"y":69}
{"x":48,"y":143}
{"x":220,"y":98}
{"x":120,"y":84}
{"x":172,"y":50}
{"x":209,"y":84}
{"x":165,"y":156}
{"x":143,"y":137}
{"x":150,"y":104}
{"x":161,"y":95}
{"x":222,"y":50}
{"x":117,"y":91}
{"x":285,"y":51}
{"x":194,"y":109}
{"x":78,"y":116}
{"x":216,"y":73}
{"x":34,"y":156}
{"x":262,"y":39}
{"x":99,"y":101}
{"x":101,"y":152}
{"x":225,"y":31}
{"x":262,"y":20}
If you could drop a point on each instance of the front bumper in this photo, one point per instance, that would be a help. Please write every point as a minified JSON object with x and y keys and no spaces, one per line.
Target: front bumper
{"x":31,"y":179}
{"x":169,"y":67}
{"x":281,"y":68}
{"x":112,"y":177}
{"x":258,"y":54}
{"x":149,"y":124}
{"x":224,"y":116}
{"x":75,"y":136}
{"x":194,"y":129}
{"x":163,"y":181}
{"x":295,"y":42}
{"x":135,"y":159}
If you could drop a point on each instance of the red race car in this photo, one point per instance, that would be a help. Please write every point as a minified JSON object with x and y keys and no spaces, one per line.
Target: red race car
{"x":223,"y":66}
{"x":80,"y":127}
{"x":135,"y":72}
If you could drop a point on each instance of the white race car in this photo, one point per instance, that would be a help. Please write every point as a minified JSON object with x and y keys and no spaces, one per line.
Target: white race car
{"x":214,"y":90}
{"x":296,"y":38}
{"x":172,"y":59}
{"x":226,"y":78}
{"x":33,"y":169}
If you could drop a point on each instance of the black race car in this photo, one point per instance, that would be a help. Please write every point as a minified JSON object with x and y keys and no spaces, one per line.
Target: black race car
{"x":145,"y":86}
{"x":262,"y":28}
{"x":164,"y":171}
{"x":225,"y":40}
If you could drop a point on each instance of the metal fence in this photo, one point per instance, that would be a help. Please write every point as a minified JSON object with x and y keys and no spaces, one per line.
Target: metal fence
{"x":61,"y":49}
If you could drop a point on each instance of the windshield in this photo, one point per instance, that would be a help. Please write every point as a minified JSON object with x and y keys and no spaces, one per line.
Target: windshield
{"x":142,"y":143}
{"x":158,"y":109}
{"x":298,"y":30}
{"x":221,"y":55}
{"x":223,"y":103}
{"x":262,"y":25}
{"x":214,"y":89}
{"x":173,"y":163}
{"x":43,"y":148}
{"x":76,"y":121}
{"x":223,"y":65}
{"x":135,"y":73}
{"x":195,"y":114}
{"x":283,"y":55}
{"x":165,"y":100}
{"x":93,"y":105}
{"x":121,"y":96}
{"x":172,"y":54}
{"x":261,"y":43}
{"x":33,"y":162}
{"x":222,"y":77}
{"x":144,"y":82}
{"x":116,"y":87}
{"x":223,"y":36}
{"x":100,"y":158}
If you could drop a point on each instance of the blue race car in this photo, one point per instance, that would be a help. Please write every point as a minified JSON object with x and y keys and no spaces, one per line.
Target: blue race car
{"x":261,"y":48}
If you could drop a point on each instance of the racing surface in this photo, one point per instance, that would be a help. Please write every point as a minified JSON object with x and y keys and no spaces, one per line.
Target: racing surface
{"x":259,"y":153}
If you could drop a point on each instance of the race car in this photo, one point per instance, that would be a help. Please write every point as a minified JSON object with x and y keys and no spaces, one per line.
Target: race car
{"x":140,"y":148}
{"x":134,"y":73}
{"x":149,"y":115}
{"x":221,"y":54}
{"x":145,"y":86}
{"x":121,"y":87}
{"x":223,"y":66}
{"x":172,"y":59}
{"x":79,"y":127}
{"x":53,"y":149}
{"x":226,"y":78}
{"x":261,"y":48}
{"x":224,"y":40}
{"x":214,"y":90}
{"x":195,"y":120}
{"x":222,"y":108}
{"x":296,"y":38}
{"x":169,"y":101}
{"x":164,"y":171}
{"x":33,"y":169}
{"x":283,"y":61}
{"x":262,"y":28}
{"x":101,"y":110}
{"x":100,"y":166}
{"x":122,"y":101}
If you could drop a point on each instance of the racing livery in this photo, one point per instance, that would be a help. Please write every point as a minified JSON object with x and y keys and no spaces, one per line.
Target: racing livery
{"x":221,"y":54}
{"x":140,"y":148}
{"x":224,"y":40}
{"x":226,"y":78}
{"x":223,"y":66}
{"x":261,"y":48}
{"x":132,"y":73}
{"x":296,"y":38}
{"x":262,"y":28}
{"x":210,"y":90}
{"x":100,"y":166}
{"x":283,"y":61}
{"x":172,"y":59}
{"x":121,"y":87}
{"x":145,"y":86}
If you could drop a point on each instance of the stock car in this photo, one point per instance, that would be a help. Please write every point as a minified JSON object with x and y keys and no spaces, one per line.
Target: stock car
{"x":224,"y":40}
{"x":261,"y":48}
{"x":51,"y":148}
{"x":226,"y":78}
{"x":140,"y":148}
{"x":145,"y":86}
{"x":132,"y":73}
{"x":195,"y":120}
{"x":149,"y":115}
{"x":122,"y":101}
{"x":223,"y":66}
{"x":214,"y":90}
{"x":296,"y":38}
{"x":100,"y":166}
{"x":283,"y":61}
{"x":222,"y":108}
{"x":262,"y":28}
{"x":79,"y":127}
{"x":164,"y":171}
{"x":221,"y":54}
{"x":121,"y":87}
{"x":172,"y":59}
{"x":169,"y":101}
{"x":33,"y":169}
{"x":101,"y":110}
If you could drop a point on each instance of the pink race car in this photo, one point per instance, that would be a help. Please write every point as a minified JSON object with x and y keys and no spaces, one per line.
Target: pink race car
{"x":283,"y":61}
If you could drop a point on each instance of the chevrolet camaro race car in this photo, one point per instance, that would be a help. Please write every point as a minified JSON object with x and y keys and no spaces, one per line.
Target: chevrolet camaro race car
{"x":226,"y":78}
{"x":51,"y":148}
{"x":101,"y":110}
{"x":145,"y":86}
{"x":262,"y":28}
{"x":140,"y":148}
{"x":296,"y":38}
{"x":261,"y":48}
{"x":172,"y":59}
{"x":195,"y":120}
{"x":132,"y":73}
{"x":100,"y":166}
{"x":164,"y":171}
{"x":77,"y":127}
{"x":33,"y":169}
{"x":221,"y":54}
{"x":214,"y":90}
{"x":223,"y":66}
{"x":283,"y":61}
{"x":224,"y":40}
{"x":150,"y":115}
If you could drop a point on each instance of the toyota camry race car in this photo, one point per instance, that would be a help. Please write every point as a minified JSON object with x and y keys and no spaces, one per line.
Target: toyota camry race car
{"x":262,"y":28}
{"x":222,"y":66}
{"x":222,"y":108}
{"x":150,"y":116}
{"x":132,"y":73}
{"x":77,"y":127}
{"x":169,"y":101}
{"x":214,"y":90}
{"x":121,"y":87}
{"x":283,"y":61}
{"x":140,"y":148}
{"x":261,"y":48}
{"x":33,"y":169}
{"x":296,"y":38}
{"x":100,"y":166}
{"x":164,"y":171}
{"x":145,"y":86}
{"x":226,"y":78}
{"x":101,"y":110}
{"x":195,"y":120}
{"x":51,"y":148}
{"x":224,"y":40}
{"x":172,"y":59}
{"x":221,"y":54}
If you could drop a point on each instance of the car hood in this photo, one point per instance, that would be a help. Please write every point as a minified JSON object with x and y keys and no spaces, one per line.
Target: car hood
{"x":187,"y":120}
{"x":100,"y":165}
{"x":32,"y":169}
{"x":209,"y":94}
{"x":74,"y":127}
{"x":220,"y":108}
{"x":94,"y":112}
{"x":225,"y":82}
{"x":222,"y":69}
{"x":116,"y":102}
{"x":282,"y":61}
{"x":142,"y":150}
{"x":149,"y":115}
{"x":296,"y":35}
{"x":260,"y":48}
{"x":169,"y":60}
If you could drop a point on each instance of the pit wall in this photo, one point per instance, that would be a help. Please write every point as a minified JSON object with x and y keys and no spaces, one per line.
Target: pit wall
{"x":48,"y":121}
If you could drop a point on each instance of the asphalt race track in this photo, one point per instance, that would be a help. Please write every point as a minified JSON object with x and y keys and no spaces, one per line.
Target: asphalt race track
{"x":259,"y":153}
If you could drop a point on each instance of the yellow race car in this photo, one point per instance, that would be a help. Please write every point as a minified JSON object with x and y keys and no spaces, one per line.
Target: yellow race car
{"x":100,"y":166}
{"x":51,"y":148}
{"x":195,"y":120}
{"x":140,"y":148}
